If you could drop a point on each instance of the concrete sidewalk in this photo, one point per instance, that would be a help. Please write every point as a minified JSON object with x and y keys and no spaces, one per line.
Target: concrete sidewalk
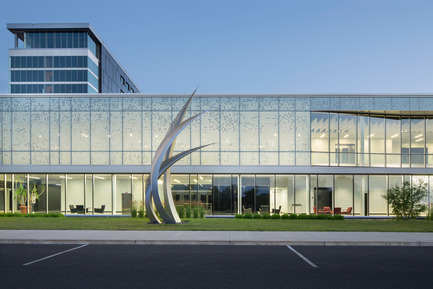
{"x":215,"y":238}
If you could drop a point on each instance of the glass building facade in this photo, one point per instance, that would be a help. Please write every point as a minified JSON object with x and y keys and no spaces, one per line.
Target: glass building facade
{"x":63,"y":58}
{"x":271,"y":153}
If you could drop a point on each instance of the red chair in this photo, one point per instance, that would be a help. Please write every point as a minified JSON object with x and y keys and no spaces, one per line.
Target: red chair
{"x":327,"y":210}
{"x":348,"y":211}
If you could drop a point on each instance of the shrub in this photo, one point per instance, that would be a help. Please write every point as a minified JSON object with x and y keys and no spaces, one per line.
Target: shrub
{"x":180,"y":211}
{"x":285,"y":216}
{"x":276,"y":216}
{"x":303,"y":216}
{"x":195,"y":213}
{"x":141,"y":213}
{"x":406,"y":202}
{"x":293,"y":216}
{"x":257,"y":216}
{"x":339,"y":217}
{"x":188,"y":212}
{"x":266,"y":216}
{"x":134,"y":212}
{"x":239,"y":216}
{"x":248,"y":216}
{"x":201,"y":212}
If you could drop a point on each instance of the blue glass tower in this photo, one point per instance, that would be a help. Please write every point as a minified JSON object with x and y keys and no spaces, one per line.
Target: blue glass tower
{"x":63,"y":58}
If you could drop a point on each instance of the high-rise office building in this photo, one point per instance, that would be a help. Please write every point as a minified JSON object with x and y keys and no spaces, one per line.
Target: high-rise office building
{"x":63,"y":58}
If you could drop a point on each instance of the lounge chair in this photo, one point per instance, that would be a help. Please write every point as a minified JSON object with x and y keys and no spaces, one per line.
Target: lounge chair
{"x":72,"y":209}
{"x":100,"y":210}
{"x":347,"y":212}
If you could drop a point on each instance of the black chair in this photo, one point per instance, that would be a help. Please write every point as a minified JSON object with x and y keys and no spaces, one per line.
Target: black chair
{"x":100,"y":210}
{"x":276,"y":211}
{"x":80,"y":209}
{"x":73,"y":209}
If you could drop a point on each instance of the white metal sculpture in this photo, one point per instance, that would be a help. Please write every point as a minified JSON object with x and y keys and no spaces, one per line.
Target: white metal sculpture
{"x":162,"y":161}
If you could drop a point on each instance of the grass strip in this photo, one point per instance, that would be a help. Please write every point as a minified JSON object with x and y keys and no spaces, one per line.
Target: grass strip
{"x":142,"y":224}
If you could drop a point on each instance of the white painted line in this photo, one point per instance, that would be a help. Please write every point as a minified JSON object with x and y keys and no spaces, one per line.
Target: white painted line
{"x":55,"y":255}
{"x":300,"y":255}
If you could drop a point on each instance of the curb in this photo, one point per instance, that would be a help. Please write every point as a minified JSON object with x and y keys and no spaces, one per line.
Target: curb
{"x":235,"y":243}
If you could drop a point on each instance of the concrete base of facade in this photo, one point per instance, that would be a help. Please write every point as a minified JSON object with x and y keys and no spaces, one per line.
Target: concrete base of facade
{"x":215,"y":238}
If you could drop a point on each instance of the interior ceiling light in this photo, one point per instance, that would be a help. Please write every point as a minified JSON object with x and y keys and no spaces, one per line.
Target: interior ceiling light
{"x":396,"y":135}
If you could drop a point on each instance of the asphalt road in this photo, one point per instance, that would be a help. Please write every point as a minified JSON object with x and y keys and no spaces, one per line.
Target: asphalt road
{"x":145,"y":266}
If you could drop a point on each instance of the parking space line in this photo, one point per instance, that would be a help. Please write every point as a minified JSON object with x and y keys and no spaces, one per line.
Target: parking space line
{"x":32,"y":262}
{"x":304,"y":258}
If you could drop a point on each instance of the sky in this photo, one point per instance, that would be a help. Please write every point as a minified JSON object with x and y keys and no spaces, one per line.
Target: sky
{"x":249,"y":46}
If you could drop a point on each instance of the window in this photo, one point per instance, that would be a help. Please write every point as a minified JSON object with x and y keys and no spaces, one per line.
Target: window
{"x":122,"y":80}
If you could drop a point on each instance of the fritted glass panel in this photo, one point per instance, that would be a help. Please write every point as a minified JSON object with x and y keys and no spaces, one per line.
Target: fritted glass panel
{"x":132,"y":131}
{"x":40,"y":131}
{"x":287,"y":131}
{"x":229,"y":129}
{"x":249,"y":131}
{"x":268,"y":131}
{"x":80,"y":122}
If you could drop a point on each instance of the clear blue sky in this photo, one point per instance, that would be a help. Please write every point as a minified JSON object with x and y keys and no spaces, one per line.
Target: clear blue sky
{"x":292,"y":46}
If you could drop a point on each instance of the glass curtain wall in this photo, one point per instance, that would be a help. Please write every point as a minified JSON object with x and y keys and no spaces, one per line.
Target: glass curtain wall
{"x":371,"y":140}
{"x":123,"y":194}
{"x":37,"y":185}
{"x":2,"y":193}
{"x":360,"y":202}
{"x":103,"y":195}
{"x":284,"y":194}
{"x":216,"y":194}
{"x":56,"y":189}
{"x":75,"y":195}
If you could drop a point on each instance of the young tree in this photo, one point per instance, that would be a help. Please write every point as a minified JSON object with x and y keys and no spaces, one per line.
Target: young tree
{"x":406,"y":201}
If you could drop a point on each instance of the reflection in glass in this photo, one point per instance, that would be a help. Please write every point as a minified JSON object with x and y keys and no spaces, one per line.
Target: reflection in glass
{"x":264,"y":187}
{"x":223,"y":195}
{"x":56,"y":193}
{"x":248,"y":196}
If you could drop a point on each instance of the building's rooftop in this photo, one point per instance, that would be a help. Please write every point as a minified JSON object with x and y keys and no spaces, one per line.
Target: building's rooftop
{"x":21,"y":27}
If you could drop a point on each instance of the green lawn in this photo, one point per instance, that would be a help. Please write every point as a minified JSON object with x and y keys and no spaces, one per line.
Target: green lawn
{"x":216,"y":225}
